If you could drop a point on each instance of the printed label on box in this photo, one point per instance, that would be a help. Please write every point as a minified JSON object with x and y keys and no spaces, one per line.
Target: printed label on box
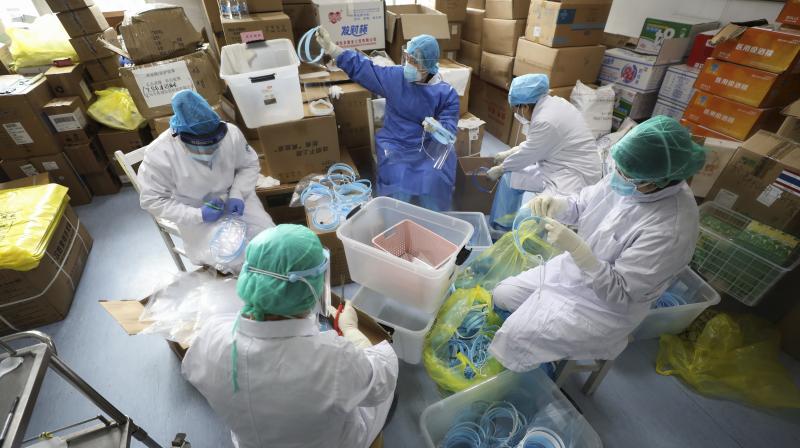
{"x":537,"y":31}
{"x":158,"y":83}
{"x":50,"y":166}
{"x":87,"y":94}
{"x":68,"y":122}
{"x":726,"y":198}
{"x":473,"y":133}
{"x":769,"y":196}
{"x":29,"y":170}
{"x":18,"y":133}
{"x":250,"y":36}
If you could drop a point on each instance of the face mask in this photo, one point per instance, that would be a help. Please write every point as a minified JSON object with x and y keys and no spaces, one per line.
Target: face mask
{"x":203,"y":154}
{"x":410,"y":73}
{"x":621,"y":186}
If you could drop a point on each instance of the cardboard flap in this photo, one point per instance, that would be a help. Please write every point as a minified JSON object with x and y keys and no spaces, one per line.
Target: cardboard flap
{"x":391,"y":23}
{"x":126,"y":313}
{"x":111,"y":47}
{"x":416,"y":20}
{"x":792,"y":110}
{"x":39,"y":179}
{"x":775,"y":147}
{"x":728,"y":32}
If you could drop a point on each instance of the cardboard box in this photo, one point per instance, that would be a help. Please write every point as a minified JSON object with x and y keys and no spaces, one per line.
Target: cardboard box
{"x":58,"y":167}
{"x":152,"y":85}
{"x":495,"y":111}
{"x":701,"y":49}
{"x":736,"y":120}
{"x":295,"y":149}
{"x":87,"y":158}
{"x":113,"y":140}
{"x":69,"y":81}
{"x":500,"y":36}
{"x":68,"y":118}
{"x":760,"y":181}
{"x":473,"y":26}
{"x":567,"y":23}
{"x":355,"y":24}
{"x":790,"y":14}
{"x":633,"y":70}
{"x":212,"y":11}
{"x":406,"y":21}
{"x":68,"y":5}
{"x":470,"y":55}
{"x":158,"y":31}
{"x":276,"y":201}
{"x":105,"y":69}
{"x":302,"y":17}
{"x":89,"y":47}
{"x":678,"y":84}
{"x":474,"y":192}
{"x":103,"y":183}
{"x":507,"y":9}
{"x":352,"y":116}
{"x":700,"y":131}
{"x":666,"y":107}
{"x":469,"y":138}
{"x":791,"y":124}
{"x":718,"y":153}
{"x":455,"y":10}
{"x":611,"y":40}
{"x":454,"y":42}
{"x":25,"y":130}
{"x":751,"y":86}
{"x":497,"y":69}
{"x":102,"y":85}
{"x":656,"y":31}
{"x":476,"y":4}
{"x":30,"y":299}
{"x":273,"y":25}
{"x":632,"y":103}
{"x":763,"y":48}
{"x":458,"y":76}
{"x":264,"y":5}
{"x":81,"y":22}
{"x":564,"y":66}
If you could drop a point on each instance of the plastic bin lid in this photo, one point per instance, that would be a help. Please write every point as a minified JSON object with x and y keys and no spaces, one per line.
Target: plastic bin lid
{"x":241,"y":59}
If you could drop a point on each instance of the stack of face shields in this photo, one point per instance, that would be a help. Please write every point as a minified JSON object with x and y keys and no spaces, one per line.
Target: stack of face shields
{"x":331,"y":197}
{"x":28,"y":218}
{"x":437,"y":144}
{"x":229,"y":240}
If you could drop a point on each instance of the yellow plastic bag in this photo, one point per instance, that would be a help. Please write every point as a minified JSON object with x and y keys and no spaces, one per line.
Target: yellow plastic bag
{"x":40,"y":44}
{"x":28,"y":218}
{"x":734,"y":358}
{"x":114,"y":108}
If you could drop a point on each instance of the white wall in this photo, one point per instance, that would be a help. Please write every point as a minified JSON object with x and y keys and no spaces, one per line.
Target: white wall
{"x":627,"y":16}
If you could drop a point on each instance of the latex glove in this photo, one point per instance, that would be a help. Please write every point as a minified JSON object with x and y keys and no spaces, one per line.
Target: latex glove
{"x":324,"y":41}
{"x":428,"y":125}
{"x":348,"y":323}
{"x":495,"y":172}
{"x":212,"y":210}
{"x":563,"y":238}
{"x":503,"y":155}
{"x":548,"y":206}
{"x":234,"y":206}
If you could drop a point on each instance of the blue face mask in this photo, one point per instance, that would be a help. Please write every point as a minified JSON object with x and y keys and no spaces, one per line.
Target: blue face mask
{"x":622,"y":186}
{"x":204,"y":154}
{"x":410,"y":73}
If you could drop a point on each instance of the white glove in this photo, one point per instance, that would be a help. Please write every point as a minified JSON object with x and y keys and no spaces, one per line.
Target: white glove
{"x":324,"y":41}
{"x":495,"y":172}
{"x":348,"y":323}
{"x":565,"y":239}
{"x":428,"y":125}
{"x":503,"y":155}
{"x":548,"y":206}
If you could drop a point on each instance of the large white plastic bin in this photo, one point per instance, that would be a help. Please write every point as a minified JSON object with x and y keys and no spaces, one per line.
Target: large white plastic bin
{"x":264,"y":80}
{"x":673,"y":320}
{"x":414,"y":284}
{"x":529,"y":392}
{"x":409,"y":325}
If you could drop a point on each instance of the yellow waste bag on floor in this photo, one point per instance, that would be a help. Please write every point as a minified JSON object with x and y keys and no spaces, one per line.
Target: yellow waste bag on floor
{"x":28,"y":218}
{"x":40,"y":44}
{"x":115,"y":108}
{"x":734,"y":357}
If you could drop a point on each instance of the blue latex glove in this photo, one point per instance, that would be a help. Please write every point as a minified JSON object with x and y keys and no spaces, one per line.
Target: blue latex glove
{"x":234,"y":206}
{"x":212,"y":210}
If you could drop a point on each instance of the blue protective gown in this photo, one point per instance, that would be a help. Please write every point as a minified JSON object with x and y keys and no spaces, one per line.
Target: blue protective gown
{"x":405,"y":172}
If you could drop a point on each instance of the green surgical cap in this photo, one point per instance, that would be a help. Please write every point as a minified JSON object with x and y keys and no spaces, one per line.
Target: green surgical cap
{"x":282,"y":249}
{"x":658,"y":151}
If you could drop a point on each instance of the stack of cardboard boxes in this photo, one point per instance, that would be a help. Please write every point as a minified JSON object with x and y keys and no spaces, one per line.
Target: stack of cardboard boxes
{"x":471,"y":40}
{"x":456,"y":12}
{"x":789,"y":16}
{"x":265,"y":17}
{"x":676,"y":91}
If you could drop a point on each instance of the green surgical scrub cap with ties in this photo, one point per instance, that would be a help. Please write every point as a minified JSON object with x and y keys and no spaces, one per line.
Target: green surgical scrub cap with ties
{"x":658,"y":151}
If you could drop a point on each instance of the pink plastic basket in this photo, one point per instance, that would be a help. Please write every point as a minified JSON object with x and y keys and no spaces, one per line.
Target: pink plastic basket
{"x":411,"y":242}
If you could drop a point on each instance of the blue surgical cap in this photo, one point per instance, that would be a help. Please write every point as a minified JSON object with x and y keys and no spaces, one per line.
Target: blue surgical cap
{"x":193,"y":115}
{"x":425,"y":50}
{"x":528,"y":89}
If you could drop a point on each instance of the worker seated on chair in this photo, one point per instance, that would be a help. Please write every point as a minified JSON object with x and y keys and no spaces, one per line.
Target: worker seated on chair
{"x":198,"y":171}
{"x":272,"y":375}
{"x":637,"y":229}
{"x":558,"y":156}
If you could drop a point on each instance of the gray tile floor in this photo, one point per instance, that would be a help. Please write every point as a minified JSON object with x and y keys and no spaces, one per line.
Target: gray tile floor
{"x":634,"y":407}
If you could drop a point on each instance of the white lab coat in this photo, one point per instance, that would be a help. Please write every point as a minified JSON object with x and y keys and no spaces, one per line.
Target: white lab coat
{"x":174,"y":187}
{"x":559,"y":154}
{"x":642,"y":243}
{"x":298,"y":387}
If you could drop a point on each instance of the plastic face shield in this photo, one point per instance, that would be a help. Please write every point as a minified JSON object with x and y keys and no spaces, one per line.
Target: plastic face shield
{"x":437,"y":144}
{"x":229,"y":240}
{"x":524,"y":124}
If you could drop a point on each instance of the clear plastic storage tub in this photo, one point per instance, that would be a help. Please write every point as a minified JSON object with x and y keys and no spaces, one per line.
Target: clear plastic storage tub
{"x":264,"y":80}
{"x":532,"y":393}
{"x":413,"y":284}
{"x":481,"y":238}
{"x":673,"y":320}
{"x":408,"y":325}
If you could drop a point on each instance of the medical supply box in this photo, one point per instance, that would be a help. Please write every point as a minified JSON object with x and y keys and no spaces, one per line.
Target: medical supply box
{"x":678,"y":85}
{"x":567,"y":23}
{"x":355,"y":24}
{"x":736,"y":120}
{"x":25,"y":131}
{"x":775,"y":51}
{"x":677,"y":30}
{"x":748,"y":85}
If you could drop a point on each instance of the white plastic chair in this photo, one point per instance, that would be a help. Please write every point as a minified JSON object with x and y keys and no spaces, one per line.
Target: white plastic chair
{"x":167,"y":229}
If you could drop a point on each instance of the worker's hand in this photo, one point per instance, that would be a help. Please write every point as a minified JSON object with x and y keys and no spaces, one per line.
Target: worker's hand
{"x":212,"y":210}
{"x":429,"y":124}
{"x":545,"y":206}
{"x":234,"y":206}
{"x":494,"y":173}
{"x":348,"y":319}
{"x":562,"y":237}
{"x":503,"y":155}
{"x":324,"y":40}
